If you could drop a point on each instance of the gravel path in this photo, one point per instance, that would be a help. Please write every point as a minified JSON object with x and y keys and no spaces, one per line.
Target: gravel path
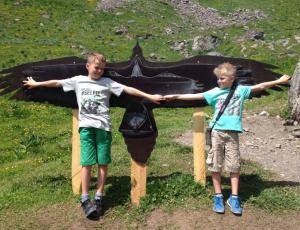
{"x":269,"y":143}
{"x":192,"y":11}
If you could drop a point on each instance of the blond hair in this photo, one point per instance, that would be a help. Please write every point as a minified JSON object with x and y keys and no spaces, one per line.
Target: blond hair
{"x":93,"y":57}
{"x":225,"y":69}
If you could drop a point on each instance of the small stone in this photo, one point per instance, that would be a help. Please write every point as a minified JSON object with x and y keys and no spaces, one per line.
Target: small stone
{"x":254,"y":46}
{"x":264,"y":113}
{"x":290,"y":137}
{"x":297,"y":38}
{"x":246,"y":129}
{"x":288,"y":122}
{"x":214,"y":53}
{"x":257,"y":35}
{"x":46,"y":16}
{"x":179,"y":46}
{"x":296,"y":133}
{"x":153,"y":56}
{"x":169,"y":31}
{"x":278,"y":146}
{"x":283,"y":42}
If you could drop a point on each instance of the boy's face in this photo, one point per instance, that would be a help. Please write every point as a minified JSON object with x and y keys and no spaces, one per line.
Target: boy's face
{"x":225,"y":81}
{"x":95,"y":69}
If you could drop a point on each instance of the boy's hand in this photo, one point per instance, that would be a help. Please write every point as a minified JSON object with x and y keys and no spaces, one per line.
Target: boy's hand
{"x":284,"y":79}
{"x":30,"y":83}
{"x":156,"y":98}
{"x":170,"y":97}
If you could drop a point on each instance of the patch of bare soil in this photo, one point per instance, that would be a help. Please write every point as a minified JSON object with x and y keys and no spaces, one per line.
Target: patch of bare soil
{"x":271,"y":144}
{"x":206,"y":219}
{"x":71,"y":217}
{"x":268,"y":142}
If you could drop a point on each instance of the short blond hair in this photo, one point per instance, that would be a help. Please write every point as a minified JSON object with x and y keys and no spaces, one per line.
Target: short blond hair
{"x":92,"y":57}
{"x":225,"y":69}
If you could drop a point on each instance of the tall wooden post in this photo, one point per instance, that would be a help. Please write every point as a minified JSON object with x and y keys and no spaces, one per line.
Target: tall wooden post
{"x":76,"y":168}
{"x":138,"y":181}
{"x":199,"y":146}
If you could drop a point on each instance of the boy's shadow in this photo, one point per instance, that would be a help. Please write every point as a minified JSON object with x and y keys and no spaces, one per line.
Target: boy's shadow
{"x":118,"y":188}
{"x":252,"y":185}
{"x":117,"y":192}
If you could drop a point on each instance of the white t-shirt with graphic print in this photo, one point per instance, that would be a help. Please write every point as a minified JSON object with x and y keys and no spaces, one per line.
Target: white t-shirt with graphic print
{"x":93,"y":99}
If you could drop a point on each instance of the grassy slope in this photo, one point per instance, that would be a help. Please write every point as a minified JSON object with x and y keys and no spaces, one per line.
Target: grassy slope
{"x":35,"y":138}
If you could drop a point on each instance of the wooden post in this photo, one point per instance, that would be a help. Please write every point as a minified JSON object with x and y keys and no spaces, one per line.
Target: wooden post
{"x":76,"y":168}
{"x":138,"y":181}
{"x":199,"y":146}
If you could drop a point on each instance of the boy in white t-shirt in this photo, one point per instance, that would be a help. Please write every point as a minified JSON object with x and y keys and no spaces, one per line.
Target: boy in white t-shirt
{"x":93,"y":93}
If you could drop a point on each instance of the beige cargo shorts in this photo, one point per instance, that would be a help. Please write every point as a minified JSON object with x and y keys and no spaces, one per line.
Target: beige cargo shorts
{"x":224,"y":152}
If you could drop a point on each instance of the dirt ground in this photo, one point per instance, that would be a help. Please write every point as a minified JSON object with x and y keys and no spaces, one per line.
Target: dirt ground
{"x":66,"y":217}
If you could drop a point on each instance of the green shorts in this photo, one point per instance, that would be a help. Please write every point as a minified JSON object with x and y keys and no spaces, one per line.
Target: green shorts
{"x":95,"y":145}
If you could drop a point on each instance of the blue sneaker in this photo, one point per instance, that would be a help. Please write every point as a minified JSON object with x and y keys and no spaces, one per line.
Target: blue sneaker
{"x":219,"y":204}
{"x":235,"y":205}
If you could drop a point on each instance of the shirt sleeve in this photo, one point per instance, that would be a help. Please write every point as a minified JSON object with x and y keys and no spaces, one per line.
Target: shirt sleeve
{"x":245,"y":91}
{"x":210,"y":95}
{"x":115,"y":87}
{"x":68,"y":84}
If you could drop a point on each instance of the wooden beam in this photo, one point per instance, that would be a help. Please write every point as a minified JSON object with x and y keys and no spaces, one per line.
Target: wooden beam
{"x":138,"y":181}
{"x":199,"y":146}
{"x":76,"y":168}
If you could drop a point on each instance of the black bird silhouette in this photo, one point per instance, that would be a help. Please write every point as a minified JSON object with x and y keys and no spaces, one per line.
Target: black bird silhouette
{"x":190,"y":75}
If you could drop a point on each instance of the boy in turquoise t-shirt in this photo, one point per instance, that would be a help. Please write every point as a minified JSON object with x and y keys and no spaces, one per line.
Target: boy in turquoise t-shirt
{"x":225,"y":139}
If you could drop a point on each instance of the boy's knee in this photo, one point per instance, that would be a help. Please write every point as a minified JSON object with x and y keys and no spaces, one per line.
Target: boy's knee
{"x":231,"y":169}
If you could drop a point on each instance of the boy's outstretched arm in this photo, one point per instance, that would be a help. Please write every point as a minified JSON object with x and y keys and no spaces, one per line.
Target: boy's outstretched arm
{"x":186,"y":97}
{"x":265,"y":85}
{"x":31,"y":83}
{"x":156,"y":98}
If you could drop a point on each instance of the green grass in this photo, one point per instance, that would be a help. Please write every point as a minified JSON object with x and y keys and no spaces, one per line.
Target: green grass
{"x":276,"y":103}
{"x":35,"y":147}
